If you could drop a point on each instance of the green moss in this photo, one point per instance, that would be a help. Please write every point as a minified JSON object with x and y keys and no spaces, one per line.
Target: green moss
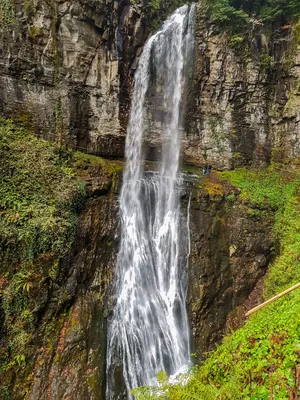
{"x":34,"y":31}
{"x":85,"y":163}
{"x":93,"y":383}
{"x":29,"y":6}
{"x":266,"y":61}
{"x":7,"y":14}
{"x":231,"y":197}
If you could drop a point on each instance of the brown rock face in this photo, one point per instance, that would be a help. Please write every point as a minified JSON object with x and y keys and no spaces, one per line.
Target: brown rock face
{"x":230,"y":252}
{"x":68,"y":68}
{"x":73,"y":365}
{"x":242,"y":106}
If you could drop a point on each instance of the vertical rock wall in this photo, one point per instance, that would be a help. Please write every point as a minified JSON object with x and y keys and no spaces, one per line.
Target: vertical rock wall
{"x":244,"y":106}
{"x":65,"y":67}
{"x":72,"y":364}
{"x":231,"y":242}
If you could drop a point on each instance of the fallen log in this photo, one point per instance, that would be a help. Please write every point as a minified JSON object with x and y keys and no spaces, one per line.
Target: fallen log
{"x":272,"y":299}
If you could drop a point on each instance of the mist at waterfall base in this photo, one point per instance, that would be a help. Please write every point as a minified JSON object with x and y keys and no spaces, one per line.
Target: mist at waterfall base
{"x":149,"y":330}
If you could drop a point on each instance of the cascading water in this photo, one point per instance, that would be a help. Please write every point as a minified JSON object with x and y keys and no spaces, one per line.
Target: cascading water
{"x":149,"y":329}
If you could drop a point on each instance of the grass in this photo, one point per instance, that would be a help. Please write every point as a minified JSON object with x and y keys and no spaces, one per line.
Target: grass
{"x":260,"y":361}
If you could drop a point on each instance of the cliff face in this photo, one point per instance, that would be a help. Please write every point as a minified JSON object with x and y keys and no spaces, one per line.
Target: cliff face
{"x":68,"y":67}
{"x":244,"y":103}
{"x":230,"y":252}
{"x":73,"y":364}
{"x":65,"y":67}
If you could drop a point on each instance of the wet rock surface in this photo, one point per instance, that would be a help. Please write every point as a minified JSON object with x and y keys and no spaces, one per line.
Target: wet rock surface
{"x":230,"y":251}
{"x":73,"y":365}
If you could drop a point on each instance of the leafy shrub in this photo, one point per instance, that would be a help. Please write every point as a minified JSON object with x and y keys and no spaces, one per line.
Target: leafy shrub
{"x":224,"y":14}
{"x":287,"y":10}
{"x":39,"y":195}
{"x":236,"y":15}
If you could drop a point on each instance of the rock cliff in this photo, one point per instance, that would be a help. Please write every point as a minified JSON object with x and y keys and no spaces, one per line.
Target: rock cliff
{"x":68,"y":67}
{"x":72,"y":366}
{"x":230,"y":251}
{"x":244,"y":102}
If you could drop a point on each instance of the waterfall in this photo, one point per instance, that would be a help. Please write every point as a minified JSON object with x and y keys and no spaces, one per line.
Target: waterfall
{"x":149,"y":329}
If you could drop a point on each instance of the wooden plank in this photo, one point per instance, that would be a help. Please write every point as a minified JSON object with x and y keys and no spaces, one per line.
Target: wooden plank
{"x":272,"y":299}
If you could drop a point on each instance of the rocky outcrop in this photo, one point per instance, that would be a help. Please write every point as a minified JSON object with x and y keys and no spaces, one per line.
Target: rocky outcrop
{"x":72,"y":364}
{"x":230,"y":252}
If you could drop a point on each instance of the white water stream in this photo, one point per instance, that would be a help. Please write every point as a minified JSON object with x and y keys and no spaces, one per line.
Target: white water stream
{"x":149,"y":330}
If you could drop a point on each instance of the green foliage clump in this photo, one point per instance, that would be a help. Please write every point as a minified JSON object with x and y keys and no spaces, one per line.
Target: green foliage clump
{"x":40,"y":196}
{"x":236,"y":15}
{"x":288,"y":10}
{"x":7,"y":14}
{"x":225,"y":14}
{"x":258,"y":361}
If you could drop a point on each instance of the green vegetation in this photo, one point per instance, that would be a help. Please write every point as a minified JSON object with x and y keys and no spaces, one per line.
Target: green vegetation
{"x":289,"y":10}
{"x":7,"y":14}
{"x":39,"y":199}
{"x":39,"y":196}
{"x":236,"y":15}
{"x":259,"y":361}
{"x":43,"y":187}
{"x":239,"y":11}
{"x":34,"y":31}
